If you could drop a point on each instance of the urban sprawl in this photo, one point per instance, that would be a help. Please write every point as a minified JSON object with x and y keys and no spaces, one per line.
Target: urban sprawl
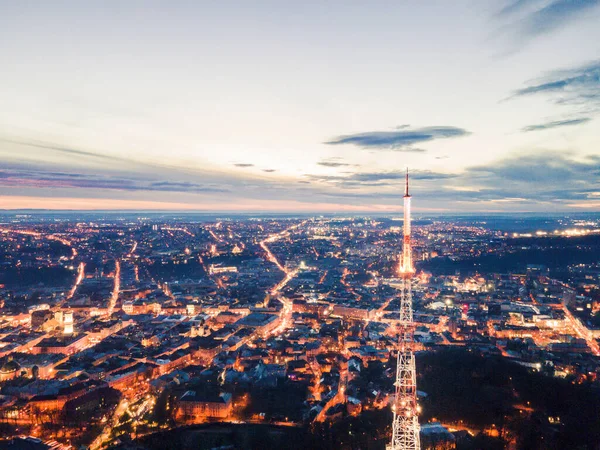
{"x":116,"y":328}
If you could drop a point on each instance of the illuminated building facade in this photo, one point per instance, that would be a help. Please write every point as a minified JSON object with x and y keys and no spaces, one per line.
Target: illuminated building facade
{"x":68,"y":322}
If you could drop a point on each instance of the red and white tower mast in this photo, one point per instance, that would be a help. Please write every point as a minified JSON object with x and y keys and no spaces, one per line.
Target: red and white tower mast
{"x":405,"y":428}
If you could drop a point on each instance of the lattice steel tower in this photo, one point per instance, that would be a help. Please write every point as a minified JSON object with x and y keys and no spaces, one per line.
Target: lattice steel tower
{"x":405,"y":428}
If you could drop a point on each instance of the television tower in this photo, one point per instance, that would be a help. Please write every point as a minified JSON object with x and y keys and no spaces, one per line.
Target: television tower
{"x":405,"y":428}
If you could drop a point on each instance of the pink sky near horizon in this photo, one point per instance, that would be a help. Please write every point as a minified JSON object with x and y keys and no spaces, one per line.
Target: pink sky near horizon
{"x":25,"y":202}
{"x":16,"y":202}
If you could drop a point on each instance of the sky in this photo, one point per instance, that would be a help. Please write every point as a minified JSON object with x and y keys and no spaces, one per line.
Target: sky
{"x":300,"y":106}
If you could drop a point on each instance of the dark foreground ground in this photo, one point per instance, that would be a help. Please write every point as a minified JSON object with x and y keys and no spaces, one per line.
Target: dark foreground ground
{"x":520,"y":407}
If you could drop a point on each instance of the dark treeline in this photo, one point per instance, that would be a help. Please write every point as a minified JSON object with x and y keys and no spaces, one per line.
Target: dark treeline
{"x":487,"y":392}
{"x":555,"y":253}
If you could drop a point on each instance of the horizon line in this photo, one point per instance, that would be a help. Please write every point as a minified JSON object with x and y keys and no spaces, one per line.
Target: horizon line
{"x":290,"y":212}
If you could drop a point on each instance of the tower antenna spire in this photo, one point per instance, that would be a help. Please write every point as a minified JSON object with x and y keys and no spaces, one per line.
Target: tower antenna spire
{"x":406,"y":186}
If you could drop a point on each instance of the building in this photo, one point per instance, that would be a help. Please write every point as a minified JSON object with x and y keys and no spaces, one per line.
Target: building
{"x":194,"y":406}
{"x":66,"y":344}
{"x":68,"y":322}
{"x":40,"y":317}
{"x":262,"y":323}
{"x":9,"y":370}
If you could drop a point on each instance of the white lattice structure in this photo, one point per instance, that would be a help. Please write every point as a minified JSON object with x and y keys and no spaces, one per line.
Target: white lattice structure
{"x":405,"y":427}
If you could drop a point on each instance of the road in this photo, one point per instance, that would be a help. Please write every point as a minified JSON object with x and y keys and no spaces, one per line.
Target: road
{"x":215,"y":237}
{"x":78,"y":280}
{"x":381,"y":310}
{"x":117,"y":287}
{"x":316,"y":369}
{"x":275,"y":237}
{"x":339,"y":397}
{"x":270,"y":256}
{"x":288,"y":305}
{"x":582,"y":331}
{"x":104,"y":437}
{"x":133,"y":249}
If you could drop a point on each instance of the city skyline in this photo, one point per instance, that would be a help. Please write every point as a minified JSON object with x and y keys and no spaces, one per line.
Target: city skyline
{"x":300,"y":108}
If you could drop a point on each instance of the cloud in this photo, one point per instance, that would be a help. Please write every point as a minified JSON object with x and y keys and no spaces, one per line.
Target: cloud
{"x":385,"y":178}
{"x":177,"y":186}
{"x":579,"y":86}
{"x":334,"y":162}
{"x":400,"y":175}
{"x":269,"y":170}
{"x":527,"y":19}
{"x":549,"y":176}
{"x":41,"y":179}
{"x":555,"y":15}
{"x":430,"y":175}
{"x":62,"y":149}
{"x":542,"y":180}
{"x":111,"y":161}
{"x":243,"y":165}
{"x":399,"y":140}
{"x":546,"y":168}
{"x":516,"y":7}
{"x":369,"y":177}
{"x":556,"y":124}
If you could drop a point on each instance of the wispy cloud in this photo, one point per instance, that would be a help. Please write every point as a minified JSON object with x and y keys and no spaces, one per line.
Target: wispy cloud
{"x":43,"y":179}
{"x":551,"y":179}
{"x":108,"y":160}
{"x":380,"y":179}
{"x":540,"y":177}
{"x":243,"y":165}
{"x":399,"y":140}
{"x":269,"y":170}
{"x":573,"y":83}
{"x":525,"y":20}
{"x":577,"y":88}
{"x":400,"y":175}
{"x":516,"y":7}
{"x":556,"y":124}
{"x":175,"y":186}
{"x":64,"y":149}
{"x":334,"y":162}
{"x":555,"y":15}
